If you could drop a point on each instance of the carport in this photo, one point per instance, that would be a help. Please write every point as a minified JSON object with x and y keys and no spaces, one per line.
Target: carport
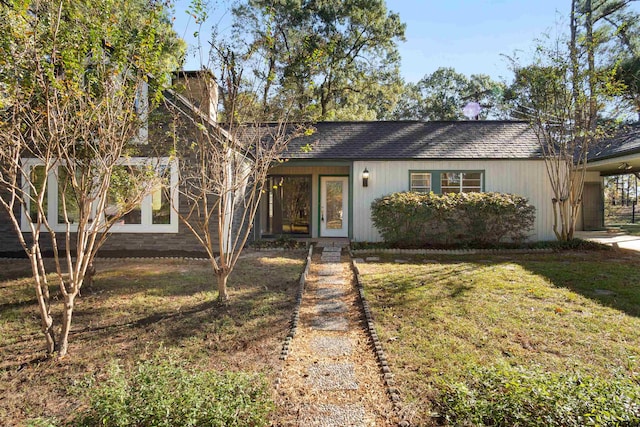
{"x":619,"y":155}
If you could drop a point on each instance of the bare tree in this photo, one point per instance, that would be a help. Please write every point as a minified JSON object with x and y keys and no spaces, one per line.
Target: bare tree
{"x":71,"y":114}
{"x":224,"y":167}
{"x":562,"y":94}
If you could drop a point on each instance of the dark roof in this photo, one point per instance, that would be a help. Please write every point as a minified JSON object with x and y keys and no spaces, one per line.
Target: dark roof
{"x":417,"y":140}
{"x":627,"y":141}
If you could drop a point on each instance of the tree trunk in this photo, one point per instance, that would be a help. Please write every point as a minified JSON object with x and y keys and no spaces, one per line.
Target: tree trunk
{"x":555,"y":219}
{"x":63,"y":343}
{"x":575,"y":67}
{"x":223,"y":295}
{"x":42,"y":296}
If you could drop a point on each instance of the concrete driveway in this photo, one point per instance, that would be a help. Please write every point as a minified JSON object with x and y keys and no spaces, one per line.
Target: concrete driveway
{"x":617,"y":240}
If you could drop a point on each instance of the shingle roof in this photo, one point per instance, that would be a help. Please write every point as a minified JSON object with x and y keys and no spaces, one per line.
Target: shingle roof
{"x":417,"y":140}
{"x":626,"y":142}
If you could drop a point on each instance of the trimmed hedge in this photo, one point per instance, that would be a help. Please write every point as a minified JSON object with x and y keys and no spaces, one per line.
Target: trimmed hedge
{"x":480,"y":219}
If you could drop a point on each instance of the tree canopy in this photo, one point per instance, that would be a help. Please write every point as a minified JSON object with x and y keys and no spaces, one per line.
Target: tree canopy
{"x":336,"y":59}
{"x":442,"y":95}
{"x":564,"y":94}
{"x":74,"y":76}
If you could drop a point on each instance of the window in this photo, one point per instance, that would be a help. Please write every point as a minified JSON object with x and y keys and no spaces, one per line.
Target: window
{"x":288,"y":205}
{"x":420,"y":182}
{"x":141,"y":106}
{"x":153,"y":215}
{"x":461,"y":182}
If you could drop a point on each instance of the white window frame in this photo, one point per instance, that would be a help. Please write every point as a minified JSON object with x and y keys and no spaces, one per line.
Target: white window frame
{"x":461,"y":188}
{"x":420,"y":189}
{"x":146,"y":204}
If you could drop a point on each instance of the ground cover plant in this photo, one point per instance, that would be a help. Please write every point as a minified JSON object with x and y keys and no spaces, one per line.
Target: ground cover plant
{"x":138,"y":311}
{"x":535,"y":339}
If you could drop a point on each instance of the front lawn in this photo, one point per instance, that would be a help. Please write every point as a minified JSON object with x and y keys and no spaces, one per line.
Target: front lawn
{"x":508,"y":340}
{"x":143,"y":310}
{"x":631,"y":229}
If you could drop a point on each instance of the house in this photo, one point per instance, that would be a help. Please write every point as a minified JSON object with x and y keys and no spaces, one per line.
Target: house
{"x":153,"y":227}
{"x":329,"y":179}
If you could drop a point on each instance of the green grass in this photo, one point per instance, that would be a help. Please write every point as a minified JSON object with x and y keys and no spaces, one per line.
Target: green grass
{"x":632,"y":229}
{"x":442,"y":317}
{"x":133,"y":309}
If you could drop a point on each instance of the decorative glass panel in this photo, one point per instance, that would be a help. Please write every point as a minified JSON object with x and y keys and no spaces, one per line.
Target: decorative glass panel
{"x":334,"y":205}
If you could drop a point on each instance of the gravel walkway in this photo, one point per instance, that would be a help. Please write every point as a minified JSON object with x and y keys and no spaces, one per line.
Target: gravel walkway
{"x":331,"y":377}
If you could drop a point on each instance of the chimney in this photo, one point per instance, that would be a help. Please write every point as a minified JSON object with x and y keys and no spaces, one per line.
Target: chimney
{"x":201,"y":89}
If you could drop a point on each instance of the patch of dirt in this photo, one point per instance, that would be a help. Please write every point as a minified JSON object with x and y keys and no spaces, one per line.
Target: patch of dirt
{"x":134,"y":309}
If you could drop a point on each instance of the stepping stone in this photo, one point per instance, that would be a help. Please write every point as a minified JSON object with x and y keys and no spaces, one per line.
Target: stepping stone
{"x":332,"y":281}
{"x":336,"y":255}
{"x":332,"y":346}
{"x":330,"y":270}
{"x":330,"y":324}
{"x":372,"y":258}
{"x":359,"y":260}
{"x":325,"y":415}
{"x":330,"y":259}
{"x":332,"y":376}
{"x":331,"y":307}
{"x":330,"y":293}
{"x":332,"y":249}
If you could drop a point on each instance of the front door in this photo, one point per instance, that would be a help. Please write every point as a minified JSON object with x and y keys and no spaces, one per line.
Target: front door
{"x":334,"y":206}
{"x":592,"y":207}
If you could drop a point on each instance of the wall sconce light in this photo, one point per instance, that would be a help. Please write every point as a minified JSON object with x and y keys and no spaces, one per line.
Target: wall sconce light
{"x":365,"y":178}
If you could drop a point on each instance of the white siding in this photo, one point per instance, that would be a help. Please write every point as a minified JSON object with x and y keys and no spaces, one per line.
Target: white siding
{"x":527,"y":178}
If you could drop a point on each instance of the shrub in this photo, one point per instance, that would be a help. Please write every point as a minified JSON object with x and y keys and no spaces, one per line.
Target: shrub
{"x":162,"y":392}
{"x":573,"y":245}
{"x":41,"y":422}
{"x":515,"y":396}
{"x":480,"y":219}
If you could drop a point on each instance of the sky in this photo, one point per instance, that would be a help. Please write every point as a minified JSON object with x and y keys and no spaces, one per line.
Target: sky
{"x":470,"y":36}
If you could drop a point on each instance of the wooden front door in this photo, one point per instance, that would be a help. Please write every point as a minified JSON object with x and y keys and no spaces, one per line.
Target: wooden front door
{"x":592,"y":207}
